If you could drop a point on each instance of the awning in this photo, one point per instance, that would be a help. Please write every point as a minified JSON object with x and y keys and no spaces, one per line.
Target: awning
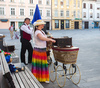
{"x":3,"y":20}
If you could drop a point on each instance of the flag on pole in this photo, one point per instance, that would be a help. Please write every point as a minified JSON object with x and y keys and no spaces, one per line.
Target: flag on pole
{"x":36,"y":15}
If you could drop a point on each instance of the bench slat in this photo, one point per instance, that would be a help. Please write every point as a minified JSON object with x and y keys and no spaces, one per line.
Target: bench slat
{"x":33,"y":77}
{"x":33,"y":82}
{"x":23,"y":80}
{"x":2,"y":66}
{"x":19,"y":80}
{"x":6,"y":68}
{"x":15,"y":81}
{"x":28,"y":81}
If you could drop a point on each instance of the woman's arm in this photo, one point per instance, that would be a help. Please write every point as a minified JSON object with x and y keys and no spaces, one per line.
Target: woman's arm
{"x":44,"y":38}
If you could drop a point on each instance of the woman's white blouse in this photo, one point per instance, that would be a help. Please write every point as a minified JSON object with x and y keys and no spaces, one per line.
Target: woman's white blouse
{"x":39,"y":43}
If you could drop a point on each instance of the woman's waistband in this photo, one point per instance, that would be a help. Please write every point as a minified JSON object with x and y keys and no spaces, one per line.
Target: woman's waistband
{"x":40,"y":49}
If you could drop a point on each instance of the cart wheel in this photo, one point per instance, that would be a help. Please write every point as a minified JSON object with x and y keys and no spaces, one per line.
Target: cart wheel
{"x":67,"y":71}
{"x":52,"y":72}
{"x":49,"y":61}
{"x":76,"y":74}
{"x":60,"y":76}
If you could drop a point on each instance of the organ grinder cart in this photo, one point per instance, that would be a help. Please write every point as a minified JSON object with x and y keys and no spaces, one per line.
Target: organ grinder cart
{"x":66,"y":54}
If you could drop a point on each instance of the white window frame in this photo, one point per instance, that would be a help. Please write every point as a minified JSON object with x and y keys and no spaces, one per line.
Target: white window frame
{"x":4,"y":11}
{"x":67,"y":12}
{"x":62,"y":2}
{"x":74,"y":14}
{"x":74,"y":3}
{"x":67,"y":23}
{"x":31,"y":3}
{"x":3,"y":1}
{"x":84,"y":14}
{"x":67,"y":3}
{"x":42,"y":12}
{"x":29,"y":11}
{"x":98,"y":15}
{"x":57,"y":21}
{"x":13,"y":0}
{"x":83,"y":5}
{"x":41,"y":2}
{"x":56,"y":2}
{"x":78,"y":14}
{"x":24,"y":11}
{"x":20,"y":1}
{"x":78,"y":3}
{"x":49,"y":11}
{"x":62,"y":12}
{"x":10,"y":11}
{"x":91,"y":15}
{"x":56,"y":13}
{"x":49,"y":2}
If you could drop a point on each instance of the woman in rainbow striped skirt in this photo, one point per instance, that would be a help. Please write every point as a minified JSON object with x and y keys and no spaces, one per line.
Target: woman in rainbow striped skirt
{"x":39,"y":57}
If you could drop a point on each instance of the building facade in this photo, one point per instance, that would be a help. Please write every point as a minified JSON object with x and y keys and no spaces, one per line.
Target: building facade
{"x":66,"y":14}
{"x":14,"y":12}
{"x":91,"y":14}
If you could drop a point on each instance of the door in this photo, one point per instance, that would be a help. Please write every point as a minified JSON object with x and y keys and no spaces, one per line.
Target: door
{"x":86,"y":25}
{"x":13,"y":24}
{"x":76,"y":25}
{"x":62,"y":24}
{"x":47,"y":25}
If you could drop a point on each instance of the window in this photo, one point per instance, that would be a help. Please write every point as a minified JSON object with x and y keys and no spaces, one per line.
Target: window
{"x":31,"y":1}
{"x":1,"y":0}
{"x":74,"y":14}
{"x":22,"y":12}
{"x":56,"y":23}
{"x":74,"y":3}
{"x":98,"y":8}
{"x":67,"y":13}
{"x":78,"y":14}
{"x":97,"y":15}
{"x":67,"y":3}
{"x":91,"y":6}
{"x":84,"y":5}
{"x":40,"y":12}
{"x":91,"y":15}
{"x":39,"y":1}
{"x":31,"y":12}
{"x":20,"y":24}
{"x":62,"y":13}
{"x":48,"y":13}
{"x":12,"y":11}
{"x":67,"y":23}
{"x":56,"y":2}
{"x":56,"y":13}
{"x":12,"y":0}
{"x":78,"y":3}
{"x":47,"y":2}
{"x":22,"y":1}
{"x":1,"y":10}
{"x":84,"y":15}
{"x":61,"y":2}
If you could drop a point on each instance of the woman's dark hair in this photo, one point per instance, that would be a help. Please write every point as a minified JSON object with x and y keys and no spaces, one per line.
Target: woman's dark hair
{"x":35,"y":28}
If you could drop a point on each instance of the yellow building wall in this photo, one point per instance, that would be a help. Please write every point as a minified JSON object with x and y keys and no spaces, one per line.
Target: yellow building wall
{"x":71,"y":19}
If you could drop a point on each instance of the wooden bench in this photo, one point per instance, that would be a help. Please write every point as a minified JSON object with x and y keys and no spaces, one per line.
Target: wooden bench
{"x":23,"y":79}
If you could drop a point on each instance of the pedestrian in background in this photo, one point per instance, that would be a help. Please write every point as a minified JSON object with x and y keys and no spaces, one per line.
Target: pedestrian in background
{"x":26,"y":34}
{"x":11,"y":29}
{"x":16,"y":34}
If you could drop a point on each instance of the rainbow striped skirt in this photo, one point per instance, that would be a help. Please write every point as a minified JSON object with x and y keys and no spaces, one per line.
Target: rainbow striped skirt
{"x":39,"y":64}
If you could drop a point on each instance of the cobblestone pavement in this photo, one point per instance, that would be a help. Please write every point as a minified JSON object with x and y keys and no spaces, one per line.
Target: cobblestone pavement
{"x":88,"y":59}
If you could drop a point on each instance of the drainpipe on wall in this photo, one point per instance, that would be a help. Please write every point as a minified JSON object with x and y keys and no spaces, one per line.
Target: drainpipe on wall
{"x":51,"y":14}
